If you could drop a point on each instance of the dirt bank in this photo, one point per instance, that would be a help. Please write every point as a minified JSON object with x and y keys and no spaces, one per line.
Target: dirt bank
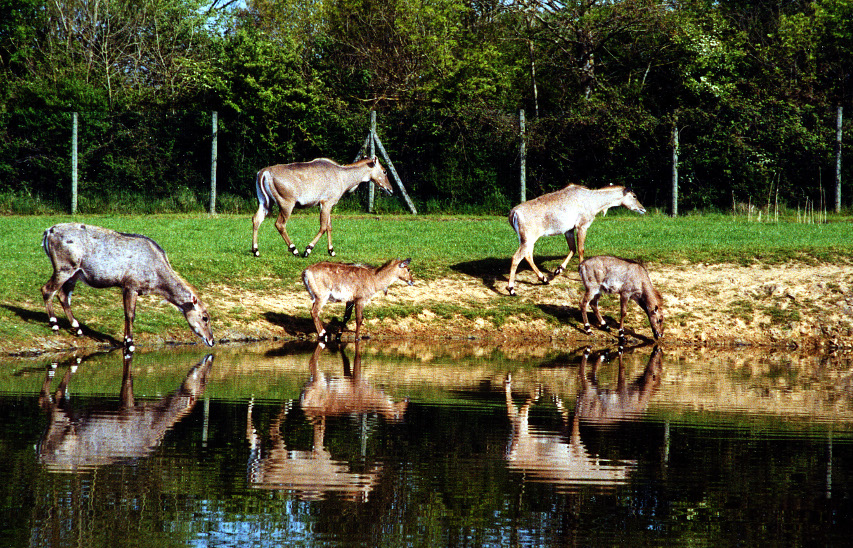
{"x":797,"y":305}
{"x":716,"y":305}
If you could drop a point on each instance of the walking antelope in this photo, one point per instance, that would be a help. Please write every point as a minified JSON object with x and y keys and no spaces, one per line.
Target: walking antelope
{"x":628,"y":279}
{"x":320,"y":182}
{"x":104,"y":258}
{"x":569,"y":211}
{"x":353,"y":284}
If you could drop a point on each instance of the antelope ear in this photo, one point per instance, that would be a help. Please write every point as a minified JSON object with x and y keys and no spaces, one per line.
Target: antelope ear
{"x":405,"y":263}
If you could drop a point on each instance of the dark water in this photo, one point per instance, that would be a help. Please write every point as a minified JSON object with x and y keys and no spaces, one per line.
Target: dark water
{"x":425,"y":446}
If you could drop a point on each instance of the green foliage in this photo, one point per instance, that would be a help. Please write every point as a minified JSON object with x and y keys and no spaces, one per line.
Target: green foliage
{"x":753,"y":90}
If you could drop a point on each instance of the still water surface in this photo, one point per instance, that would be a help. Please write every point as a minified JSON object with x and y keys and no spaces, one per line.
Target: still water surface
{"x":423,"y":446}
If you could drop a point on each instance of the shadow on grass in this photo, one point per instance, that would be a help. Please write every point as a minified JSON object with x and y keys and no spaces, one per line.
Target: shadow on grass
{"x":494,"y":272}
{"x":40,"y":317}
{"x":570,"y":315}
{"x":296,"y":326}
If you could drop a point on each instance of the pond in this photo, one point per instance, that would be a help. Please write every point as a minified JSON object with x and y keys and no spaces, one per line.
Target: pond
{"x":426,"y":445}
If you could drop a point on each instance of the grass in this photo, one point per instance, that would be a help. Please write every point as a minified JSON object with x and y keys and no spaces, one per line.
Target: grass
{"x":210,"y":251}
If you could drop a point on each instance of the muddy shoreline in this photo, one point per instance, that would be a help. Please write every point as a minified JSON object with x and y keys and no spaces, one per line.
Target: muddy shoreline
{"x":795,"y":307}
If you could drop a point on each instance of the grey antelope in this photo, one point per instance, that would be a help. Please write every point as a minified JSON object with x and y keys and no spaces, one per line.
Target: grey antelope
{"x":569,"y":211}
{"x":314,"y":473}
{"x":104,"y":258}
{"x":354,"y":284}
{"x":628,"y":279}
{"x":85,"y":439}
{"x":319,"y":182}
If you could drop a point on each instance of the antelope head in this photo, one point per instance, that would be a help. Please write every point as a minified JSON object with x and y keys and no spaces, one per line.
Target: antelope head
{"x":196,"y":314}
{"x":630,"y":200}
{"x":379,"y":176}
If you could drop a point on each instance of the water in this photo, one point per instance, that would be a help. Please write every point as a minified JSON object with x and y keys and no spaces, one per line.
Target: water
{"x":426,"y":446}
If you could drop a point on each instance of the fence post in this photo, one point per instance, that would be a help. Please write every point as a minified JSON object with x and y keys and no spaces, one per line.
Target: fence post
{"x":675,"y":167}
{"x":213,"y":145}
{"x":371,"y":188}
{"x":74,"y":163}
{"x":838,"y":132}
{"x":522,"y":153}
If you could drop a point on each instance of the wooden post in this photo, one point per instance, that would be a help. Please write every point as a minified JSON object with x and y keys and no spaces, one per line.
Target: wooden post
{"x":74,"y":163}
{"x":675,"y":167}
{"x":371,"y":188}
{"x":214,"y":133}
{"x":522,"y":153}
{"x":838,"y":118}
{"x":394,"y":174}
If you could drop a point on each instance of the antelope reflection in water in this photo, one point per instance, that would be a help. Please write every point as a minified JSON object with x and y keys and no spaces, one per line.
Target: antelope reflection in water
{"x":560,"y":457}
{"x":313,"y":474}
{"x":79,"y":440}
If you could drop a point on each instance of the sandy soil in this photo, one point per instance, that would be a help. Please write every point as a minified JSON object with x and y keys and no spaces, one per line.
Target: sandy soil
{"x":789,"y":306}
{"x":712,"y":305}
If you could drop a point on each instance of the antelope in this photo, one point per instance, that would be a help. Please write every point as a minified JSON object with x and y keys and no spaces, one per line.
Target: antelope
{"x":314,"y":473}
{"x":354,"y":284}
{"x":630,"y":280}
{"x":104,"y":258}
{"x":569,"y":211}
{"x":319,"y":182}
{"x":77,"y":440}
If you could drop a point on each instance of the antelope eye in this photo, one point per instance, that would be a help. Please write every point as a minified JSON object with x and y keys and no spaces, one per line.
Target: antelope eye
{"x":205,"y":319}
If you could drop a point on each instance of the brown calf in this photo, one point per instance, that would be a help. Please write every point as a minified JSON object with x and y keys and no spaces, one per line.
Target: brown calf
{"x":628,"y":279}
{"x":353,"y":284}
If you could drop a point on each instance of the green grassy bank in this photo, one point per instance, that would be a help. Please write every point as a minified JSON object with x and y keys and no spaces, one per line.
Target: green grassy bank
{"x":214,"y":250}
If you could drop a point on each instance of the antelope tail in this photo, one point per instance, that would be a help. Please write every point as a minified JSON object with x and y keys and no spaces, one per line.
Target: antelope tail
{"x":513,"y":220}
{"x":308,"y":280}
{"x":262,"y":188}
{"x":45,"y":243}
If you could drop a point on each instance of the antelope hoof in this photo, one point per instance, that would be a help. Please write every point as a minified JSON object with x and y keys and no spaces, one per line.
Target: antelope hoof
{"x":331,"y":252}
{"x":54,"y":325}
{"x":293,"y":250}
{"x":558,"y":271}
{"x":256,"y":252}
{"x":587,"y":328}
{"x":545,"y":280}
{"x":308,"y":250}
{"x":605,"y":327}
{"x":511,"y":290}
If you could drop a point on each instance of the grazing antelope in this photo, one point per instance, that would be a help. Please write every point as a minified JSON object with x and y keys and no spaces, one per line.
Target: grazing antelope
{"x":319,"y":182}
{"x":628,"y":279}
{"x":314,"y":473}
{"x":569,"y":211}
{"x":104,"y":258}
{"x":353,"y":284}
{"x":78,"y":440}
